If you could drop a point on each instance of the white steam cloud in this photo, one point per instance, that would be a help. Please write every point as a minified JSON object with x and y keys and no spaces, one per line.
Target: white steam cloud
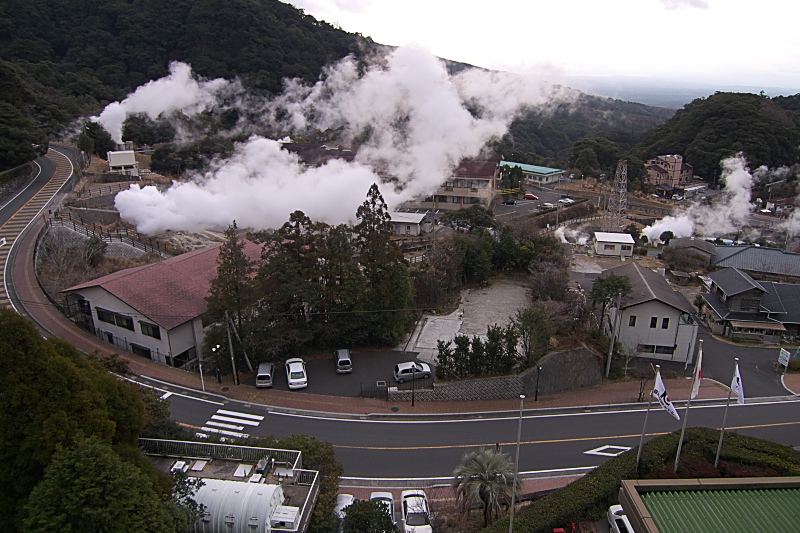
{"x":417,"y":121}
{"x":676,"y":4}
{"x":728,"y":215}
{"x":567,"y":235}
{"x":176,"y":92}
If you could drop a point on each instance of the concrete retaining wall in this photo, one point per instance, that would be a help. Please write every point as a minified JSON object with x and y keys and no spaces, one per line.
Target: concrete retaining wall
{"x":560,"y":371}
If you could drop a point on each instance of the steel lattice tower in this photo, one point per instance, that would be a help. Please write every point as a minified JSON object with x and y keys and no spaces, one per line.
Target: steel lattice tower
{"x":618,"y":202}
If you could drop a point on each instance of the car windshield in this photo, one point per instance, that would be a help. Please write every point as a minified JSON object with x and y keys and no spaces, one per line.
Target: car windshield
{"x":417,"y":519}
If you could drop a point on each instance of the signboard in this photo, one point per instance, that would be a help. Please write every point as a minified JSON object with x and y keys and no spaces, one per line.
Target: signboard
{"x":783,"y":357}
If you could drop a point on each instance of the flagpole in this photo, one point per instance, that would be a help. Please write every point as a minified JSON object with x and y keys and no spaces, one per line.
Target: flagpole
{"x":697,"y":376}
{"x":647,"y":414}
{"x":724,"y":418}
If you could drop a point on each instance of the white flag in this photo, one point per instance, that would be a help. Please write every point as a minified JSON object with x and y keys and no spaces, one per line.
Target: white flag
{"x":660,"y":392}
{"x":736,"y":385}
{"x":698,"y":374}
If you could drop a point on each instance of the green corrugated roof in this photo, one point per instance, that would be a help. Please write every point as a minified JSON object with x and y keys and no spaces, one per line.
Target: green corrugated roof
{"x":725,"y":511}
{"x":545,"y":171}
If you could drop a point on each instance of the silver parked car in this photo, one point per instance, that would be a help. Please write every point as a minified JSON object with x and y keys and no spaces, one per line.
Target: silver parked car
{"x":411,"y":370}
{"x":264,"y":375}
{"x":344,"y":364}
{"x":416,"y":512}
{"x":296,"y":373}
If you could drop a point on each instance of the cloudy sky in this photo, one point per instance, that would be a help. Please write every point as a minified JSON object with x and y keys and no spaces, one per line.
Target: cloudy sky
{"x":731,"y":42}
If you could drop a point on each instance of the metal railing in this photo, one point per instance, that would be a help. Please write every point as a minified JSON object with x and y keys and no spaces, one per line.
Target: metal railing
{"x":205,"y":450}
{"x":126,"y":236}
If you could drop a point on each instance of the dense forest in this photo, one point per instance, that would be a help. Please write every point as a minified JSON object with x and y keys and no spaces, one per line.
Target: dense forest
{"x":64,"y":60}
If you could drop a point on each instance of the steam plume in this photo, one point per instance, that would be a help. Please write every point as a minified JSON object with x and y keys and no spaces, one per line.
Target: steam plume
{"x":176,"y":92}
{"x":411,"y":115}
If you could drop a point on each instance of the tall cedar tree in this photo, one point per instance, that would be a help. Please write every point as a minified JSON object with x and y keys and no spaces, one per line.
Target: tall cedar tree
{"x":232,"y":290}
{"x":387,"y":276}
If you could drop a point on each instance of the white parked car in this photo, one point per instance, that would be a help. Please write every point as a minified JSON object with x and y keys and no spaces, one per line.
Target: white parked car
{"x":386,"y":499}
{"x":416,"y":512}
{"x":296,"y":373}
{"x":411,"y":370}
{"x":617,"y":521}
{"x":342,"y":501}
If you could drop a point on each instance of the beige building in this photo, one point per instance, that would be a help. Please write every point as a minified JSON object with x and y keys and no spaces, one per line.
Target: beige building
{"x":613,"y":244}
{"x":668,"y":170}
{"x":474,"y":182}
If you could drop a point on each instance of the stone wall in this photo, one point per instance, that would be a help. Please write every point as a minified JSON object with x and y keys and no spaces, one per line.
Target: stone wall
{"x":560,"y":371}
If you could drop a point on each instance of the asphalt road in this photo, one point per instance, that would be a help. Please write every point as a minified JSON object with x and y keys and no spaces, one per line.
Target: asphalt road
{"x":559,"y":440}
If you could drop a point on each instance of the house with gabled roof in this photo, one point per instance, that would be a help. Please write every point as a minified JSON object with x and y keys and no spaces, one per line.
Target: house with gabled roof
{"x":739,"y":307}
{"x":535,"y":174}
{"x":761,"y":262}
{"x":613,"y":244}
{"x":154,"y":310}
{"x":653,"y":321}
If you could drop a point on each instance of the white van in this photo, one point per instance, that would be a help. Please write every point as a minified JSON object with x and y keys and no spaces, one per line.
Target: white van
{"x":264,"y":375}
{"x":548,"y":206}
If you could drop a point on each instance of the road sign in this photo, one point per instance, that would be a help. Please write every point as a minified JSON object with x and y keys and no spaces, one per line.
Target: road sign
{"x":783,"y":357}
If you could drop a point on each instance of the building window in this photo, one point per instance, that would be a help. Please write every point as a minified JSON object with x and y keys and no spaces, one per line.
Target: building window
{"x":140,"y":350}
{"x":654,"y":322}
{"x":632,"y":321}
{"x":665,"y":323}
{"x":151,"y":330}
{"x":626,"y":248}
{"x":105,"y":316}
{"x":609,"y":247}
{"x":124,"y":321}
{"x":665,"y":349}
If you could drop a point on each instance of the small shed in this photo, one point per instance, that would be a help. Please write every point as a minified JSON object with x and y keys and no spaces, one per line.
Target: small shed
{"x":237,"y":506}
{"x":613,"y":244}
{"x":678,"y":277}
{"x":123,"y":162}
{"x":410,"y":224}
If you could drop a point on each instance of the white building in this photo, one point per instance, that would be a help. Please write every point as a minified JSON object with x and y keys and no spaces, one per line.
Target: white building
{"x":154,"y":310}
{"x":655,"y":321}
{"x":613,"y":244}
{"x":410,"y":224}
{"x":537,"y":175}
{"x":123,"y":162}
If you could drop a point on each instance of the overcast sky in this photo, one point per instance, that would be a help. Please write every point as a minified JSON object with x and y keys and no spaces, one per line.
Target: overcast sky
{"x":754,"y":43}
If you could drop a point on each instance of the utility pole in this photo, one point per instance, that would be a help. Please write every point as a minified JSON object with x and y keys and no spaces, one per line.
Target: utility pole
{"x":613,"y":334}
{"x":230,"y":345}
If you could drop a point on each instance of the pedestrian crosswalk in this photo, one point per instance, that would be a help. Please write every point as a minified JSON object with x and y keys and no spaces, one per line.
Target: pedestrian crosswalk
{"x":230,"y":424}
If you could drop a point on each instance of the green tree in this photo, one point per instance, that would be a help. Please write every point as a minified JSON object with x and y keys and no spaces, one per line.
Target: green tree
{"x":634,"y":231}
{"x":485,"y":477}
{"x":365,"y":516}
{"x":534,"y":331}
{"x":666,"y":236}
{"x":101,"y":139}
{"x":89,"y":488}
{"x":469,"y":218}
{"x":587,"y":161}
{"x":388,"y":282}
{"x":232,"y":290}
{"x":606,"y":289}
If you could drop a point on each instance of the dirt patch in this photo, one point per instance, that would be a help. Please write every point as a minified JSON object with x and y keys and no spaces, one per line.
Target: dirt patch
{"x":497,"y":304}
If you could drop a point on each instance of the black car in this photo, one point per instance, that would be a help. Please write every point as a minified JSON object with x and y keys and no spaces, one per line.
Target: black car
{"x":510,"y":201}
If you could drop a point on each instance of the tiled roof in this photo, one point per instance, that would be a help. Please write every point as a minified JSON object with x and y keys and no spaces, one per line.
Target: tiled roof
{"x":733,"y":281}
{"x":170,"y":292}
{"x":533,"y":169}
{"x":759,"y":259}
{"x":692,"y":242}
{"x":782,"y":299}
{"x":647,"y":285}
{"x":477,"y":168}
{"x":315,"y":154}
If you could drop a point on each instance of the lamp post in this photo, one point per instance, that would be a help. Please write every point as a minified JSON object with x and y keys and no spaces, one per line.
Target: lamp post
{"x":413,"y":381}
{"x":216,"y":360}
{"x":200,"y":366}
{"x":516,"y":464}
{"x":538,"y":375}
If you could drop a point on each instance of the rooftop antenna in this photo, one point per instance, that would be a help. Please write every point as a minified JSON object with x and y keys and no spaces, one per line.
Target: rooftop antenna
{"x":618,"y":200}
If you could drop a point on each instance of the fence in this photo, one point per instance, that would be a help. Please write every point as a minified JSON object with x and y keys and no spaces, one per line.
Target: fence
{"x":204,"y":450}
{"x":110,"y":189}
{"x":132,"y":238}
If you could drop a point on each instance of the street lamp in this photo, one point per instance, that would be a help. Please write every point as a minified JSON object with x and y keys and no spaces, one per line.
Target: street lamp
{"x":538,"y":375}
{"x":413,"y":381}
{"x":516,"y":464}
{"x":200,"y":366}
{"x":216,"y":360}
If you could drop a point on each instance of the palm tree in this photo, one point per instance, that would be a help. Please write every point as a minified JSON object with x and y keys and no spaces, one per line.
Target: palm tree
{"x":485,"y":476}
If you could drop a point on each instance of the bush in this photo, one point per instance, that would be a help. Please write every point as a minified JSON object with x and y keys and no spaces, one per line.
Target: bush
{"x":590,"y":496}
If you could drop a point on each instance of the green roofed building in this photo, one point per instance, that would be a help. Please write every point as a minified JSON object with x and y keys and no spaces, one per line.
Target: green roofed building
{"x":713,"y":505}
{"x":537,"y":175}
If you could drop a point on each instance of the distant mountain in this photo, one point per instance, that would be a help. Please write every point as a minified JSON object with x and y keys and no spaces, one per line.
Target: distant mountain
{"x":766,"y":130}
{"x":662,"y":93}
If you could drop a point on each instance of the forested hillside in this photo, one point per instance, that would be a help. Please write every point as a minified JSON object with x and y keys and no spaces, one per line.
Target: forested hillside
{"x":766,"y":130}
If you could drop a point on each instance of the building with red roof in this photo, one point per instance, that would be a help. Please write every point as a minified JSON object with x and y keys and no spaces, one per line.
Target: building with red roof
{"x":153,"y":310}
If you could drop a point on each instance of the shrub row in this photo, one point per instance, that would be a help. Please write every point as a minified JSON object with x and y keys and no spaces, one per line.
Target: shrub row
{"x":590,"y":496}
